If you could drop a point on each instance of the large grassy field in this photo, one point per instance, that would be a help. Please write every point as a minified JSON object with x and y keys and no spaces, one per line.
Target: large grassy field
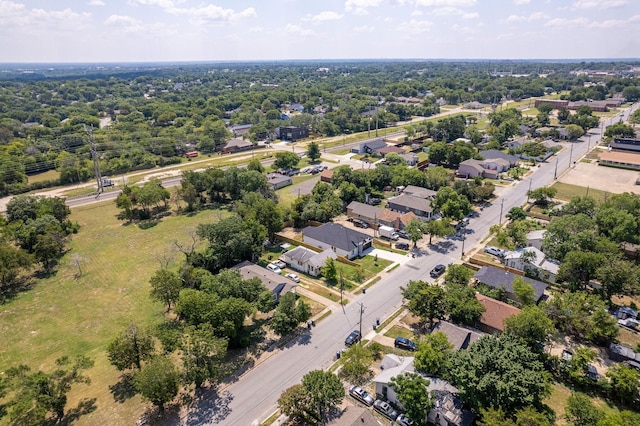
{"x":71,"y":315}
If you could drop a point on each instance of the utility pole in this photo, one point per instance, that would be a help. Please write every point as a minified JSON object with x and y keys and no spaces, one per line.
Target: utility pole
{"x":341,"y":288}
{"x":555,"y":172}
{"x":501,"y":205}
{"x":463,"y":238}
{"x":529,"y":191}
{"x":360,"y":322}
{"x":94,"y":156}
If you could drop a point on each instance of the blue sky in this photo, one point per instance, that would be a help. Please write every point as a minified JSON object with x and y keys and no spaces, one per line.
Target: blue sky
{"x":209,"y":30}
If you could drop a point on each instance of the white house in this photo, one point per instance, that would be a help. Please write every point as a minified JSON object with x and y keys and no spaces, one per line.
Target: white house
{"x":536,"y":262}
{"x":392,"y":365}
{"x":307,"y":261}
{"x":534,"y":238}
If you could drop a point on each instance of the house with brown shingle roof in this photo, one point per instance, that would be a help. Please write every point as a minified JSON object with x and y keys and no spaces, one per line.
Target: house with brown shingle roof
{"x":495,"y":313}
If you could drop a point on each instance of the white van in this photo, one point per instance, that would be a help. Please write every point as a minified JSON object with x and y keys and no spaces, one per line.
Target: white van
{"x":274,"y":268}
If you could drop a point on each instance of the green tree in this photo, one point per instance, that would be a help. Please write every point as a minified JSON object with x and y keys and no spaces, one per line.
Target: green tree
{"x":412,"y":393}
{"x":620,"y":130}
{"x":286,"y":160}
{"x":532,"y":325}
{"x":325,"y":391}
{"x":289,"y":314}
{"x":543,"y":195}
{"x":165,"y":287}
{"x":13,"y":261}
{"x":130,"y":348}
{"x":524,"y":291}
{"x":202,"y":354}
{"x":355,"y":365}
{"x":458,"y":274}
{"x":313,"y":151}
{"x":516,"y":213}
{"x":255,"y":165}
{"x":574,"y":131}
{"x":330,"y":271}
{"x":34,"y":396}
{"x":451,"y":204}
{"x":434,"y":354}
{"x":158,"y":381}
{"x":426,"y":301}
{"x":499,"y":372}
{"x":624,"y":383}
{"x":414,"y":230}
{"x":438,"y":228}
{"x":618,"y":277}
{"x":579,"y":268}
{"x":296,"y":403}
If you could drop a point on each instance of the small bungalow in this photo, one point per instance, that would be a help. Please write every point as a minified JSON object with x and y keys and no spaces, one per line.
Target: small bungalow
{"x":392,"y":365}
{"x":343,"y":241}
{"x":240,"y":129}
{"x":389,"y":149}
{"x":277,"y":180}
{"x":420,"y":192}
{"x":354,"y":416}
{"x":448,"y":410}
{"x":459,"y":337}
{"x":326,"y":176}
{"x":470,"y":168}
{"x":307,"y":261}
{"x":277,"y":284}
{"x":410,"y":158}
{"x":492,"y":321}
{"x":237,"y":145}
{"x":534,"y":238}
{"x":534,"y":261}
{"x":498,"y":277}
{"x":494,"y":153}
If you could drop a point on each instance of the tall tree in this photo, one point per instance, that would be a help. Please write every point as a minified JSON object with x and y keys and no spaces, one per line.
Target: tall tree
{"x":202,"y":354}
{"x":165,"y":287}
{"x":499,"y":372}
{"x":434,"y":354}
{"x":355,"y":365}
{"x":37,"y":395}
{"x":289,"y":314}
{"x":130,"y":348}
{"x":325,"y":391}
{"x":425,"y":300}
{"x":313,"y":151}
{"x":532,"y":325}
{"x":158,"y":381}
{"x":413,"y":394}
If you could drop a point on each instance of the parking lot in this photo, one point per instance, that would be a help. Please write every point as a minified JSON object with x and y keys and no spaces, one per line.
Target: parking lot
{"x":607,"y":179}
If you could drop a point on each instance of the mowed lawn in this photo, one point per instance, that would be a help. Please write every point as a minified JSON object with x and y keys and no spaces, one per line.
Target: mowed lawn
{"x":69,"y":315}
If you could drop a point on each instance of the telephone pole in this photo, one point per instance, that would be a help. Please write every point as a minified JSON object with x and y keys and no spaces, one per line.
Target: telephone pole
{"x":94,"y":156}
{"x":360,"y":322}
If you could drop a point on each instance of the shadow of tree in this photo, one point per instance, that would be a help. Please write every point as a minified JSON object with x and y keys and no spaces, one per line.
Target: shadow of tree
{"x":85,"y":406}
{"x":209,"y":406}
{"x":124,"y":389}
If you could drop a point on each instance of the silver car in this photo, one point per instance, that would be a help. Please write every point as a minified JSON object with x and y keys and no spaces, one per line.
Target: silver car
{"x":361,"y":395}
{"x":385,"y":409}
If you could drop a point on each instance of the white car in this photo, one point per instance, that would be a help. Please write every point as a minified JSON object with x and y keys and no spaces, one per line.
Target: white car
{"x":494,"y":251}
{"x":293,"y":277}
{"x":280,"y":264}
{"x":274,"y":268}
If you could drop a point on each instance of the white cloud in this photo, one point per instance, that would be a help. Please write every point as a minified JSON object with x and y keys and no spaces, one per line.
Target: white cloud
{"x":256,"y":29}
{"x":121,"y":20}
{"x":415,"y":26}
{"x":533,"y":17}
{"x":211,"y":13}
{"x":96,"y":3}
{"x":600,"y":4}
{"x":326,"y":15}
{"x":364,"y":29}
{"x":444,"y":11}
{"x":610,"y":23}
{"x":297,"y":30}
{"x":417,"y":13}
{"x":17,"y":15}
{"x":472,"y":15}
{"x":563,"y":22}
{"x":165,"y":4}
{"x":521,"y":2}
{"x":446,"y":3}
{"x":359,"y":7}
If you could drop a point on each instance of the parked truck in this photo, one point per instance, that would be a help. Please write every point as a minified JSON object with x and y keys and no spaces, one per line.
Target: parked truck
{"x":388,"y":232}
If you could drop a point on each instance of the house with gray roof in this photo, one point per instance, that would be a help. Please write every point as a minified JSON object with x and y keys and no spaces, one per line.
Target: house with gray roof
{"x":495,"y":153}
{"x":405,"y":203}
{"x":276,"y":283}
{"x":420,"y":192}
{"x":391,"y":366}
{"x":459,"y":337}
{"x":369,"y":147}
{"x":470,"y":168}
{"x":237,"y":145}
{"x":498,"y":277}
{"x":340,"y":239}
{"x":533,"y":261}
{"x":307,"y":261}
{"x":277,"y":180}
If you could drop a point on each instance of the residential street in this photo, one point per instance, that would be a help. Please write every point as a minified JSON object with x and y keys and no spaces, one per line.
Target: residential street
{"x":253,"y":398}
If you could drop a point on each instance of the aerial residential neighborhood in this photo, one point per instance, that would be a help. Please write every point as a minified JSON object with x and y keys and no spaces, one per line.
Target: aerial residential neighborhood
{"x":224,"y":214}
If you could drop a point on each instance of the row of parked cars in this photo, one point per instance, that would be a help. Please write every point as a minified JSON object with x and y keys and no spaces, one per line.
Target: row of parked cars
{"x":277,"y":267}
{"x":379,"y":405}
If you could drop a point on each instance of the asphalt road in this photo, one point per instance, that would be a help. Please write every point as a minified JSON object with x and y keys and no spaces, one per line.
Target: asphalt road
{"x":253,"y":398}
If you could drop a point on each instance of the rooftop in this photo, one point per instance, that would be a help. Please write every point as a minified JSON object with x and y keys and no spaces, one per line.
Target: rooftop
{"x":498,"y":277}
{"x":336,"y":235}
{"x":496,"y":312}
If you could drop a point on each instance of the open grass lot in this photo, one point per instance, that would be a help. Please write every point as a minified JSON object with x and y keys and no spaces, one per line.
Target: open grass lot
{"x":558,"y":402}
{"x":64,"y":315}
{"x":399,"y":331}
{"x":566,"y":192}
{"x":48,"y":175}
